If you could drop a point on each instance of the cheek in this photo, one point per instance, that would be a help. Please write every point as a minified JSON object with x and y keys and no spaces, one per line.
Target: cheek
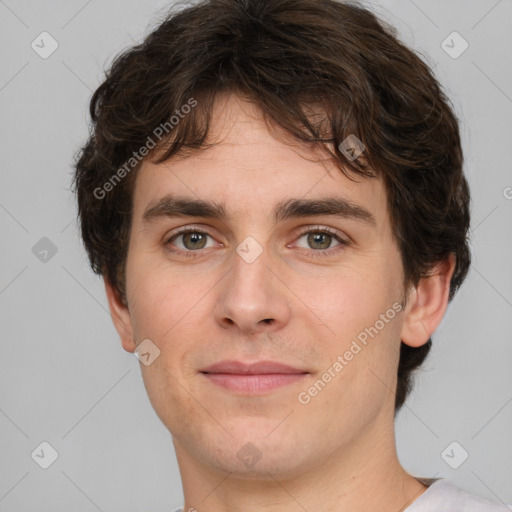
{"x":170,"y":309}
{"x":361,"y":308}
{"x":345,"y":298}
{"x":156,"y":297}
{"x":165,"y":390}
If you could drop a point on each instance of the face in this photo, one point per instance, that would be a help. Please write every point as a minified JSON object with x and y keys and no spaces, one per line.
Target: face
{"x":269,"y":280}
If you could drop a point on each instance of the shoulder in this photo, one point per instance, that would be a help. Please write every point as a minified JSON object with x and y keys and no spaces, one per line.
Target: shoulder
{"x":442,"y":496}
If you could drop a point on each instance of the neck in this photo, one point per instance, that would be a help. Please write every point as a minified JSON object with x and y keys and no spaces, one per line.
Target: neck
{"x":359,"y":477}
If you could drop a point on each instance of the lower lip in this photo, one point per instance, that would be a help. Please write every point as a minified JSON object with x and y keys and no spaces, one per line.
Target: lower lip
{"x":253,"y":384}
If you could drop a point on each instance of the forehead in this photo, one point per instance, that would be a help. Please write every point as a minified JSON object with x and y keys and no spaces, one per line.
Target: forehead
{"x":250,"y":171}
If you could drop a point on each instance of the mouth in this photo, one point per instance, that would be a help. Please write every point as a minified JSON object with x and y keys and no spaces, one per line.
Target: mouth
{"x":252,"y":378}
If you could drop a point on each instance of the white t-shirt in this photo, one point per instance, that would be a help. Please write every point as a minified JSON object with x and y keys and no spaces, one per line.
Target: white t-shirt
{"x":442,"y":496}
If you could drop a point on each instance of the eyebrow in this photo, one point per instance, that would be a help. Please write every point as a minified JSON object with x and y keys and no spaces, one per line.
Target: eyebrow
{"x":182,"y":206}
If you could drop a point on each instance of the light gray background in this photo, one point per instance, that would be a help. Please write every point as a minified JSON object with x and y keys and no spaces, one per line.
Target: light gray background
{"x":64,"y":377}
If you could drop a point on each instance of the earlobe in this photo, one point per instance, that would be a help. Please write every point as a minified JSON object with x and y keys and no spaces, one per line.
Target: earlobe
{"x":120,"y":316}
{"x":427,"y":304}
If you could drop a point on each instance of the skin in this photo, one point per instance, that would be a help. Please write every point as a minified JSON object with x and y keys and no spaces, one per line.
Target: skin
{"x":336,"y":452}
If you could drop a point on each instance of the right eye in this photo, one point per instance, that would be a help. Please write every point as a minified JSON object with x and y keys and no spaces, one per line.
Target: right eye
{"x":192,"y":240}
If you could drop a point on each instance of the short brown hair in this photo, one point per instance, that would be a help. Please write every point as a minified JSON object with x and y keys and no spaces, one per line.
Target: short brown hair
{"x":285,"y":56}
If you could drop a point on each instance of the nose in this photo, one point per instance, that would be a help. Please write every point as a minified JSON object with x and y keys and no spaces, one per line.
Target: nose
{"x":253,"y":296}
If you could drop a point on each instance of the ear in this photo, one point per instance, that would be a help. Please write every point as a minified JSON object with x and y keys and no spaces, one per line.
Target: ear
{"x":427,"y":303}
{"x":120,"y":316}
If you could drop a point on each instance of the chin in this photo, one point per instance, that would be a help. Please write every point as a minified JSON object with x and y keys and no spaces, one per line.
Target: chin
{"x":256,"y":453}
{"x":280,"y":466}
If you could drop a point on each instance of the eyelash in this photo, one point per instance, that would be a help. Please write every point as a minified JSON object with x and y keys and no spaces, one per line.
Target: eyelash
{"x":305,"y":231}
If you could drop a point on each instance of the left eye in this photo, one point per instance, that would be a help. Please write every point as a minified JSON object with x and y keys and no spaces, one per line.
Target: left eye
{"x":320,"y":240}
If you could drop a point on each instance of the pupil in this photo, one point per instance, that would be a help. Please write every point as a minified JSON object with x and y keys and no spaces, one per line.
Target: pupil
{"x":194,"y":238}
{"x":318,"y":238}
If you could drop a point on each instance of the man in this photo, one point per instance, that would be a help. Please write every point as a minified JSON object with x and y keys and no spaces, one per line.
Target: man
{"x":273,"y":193}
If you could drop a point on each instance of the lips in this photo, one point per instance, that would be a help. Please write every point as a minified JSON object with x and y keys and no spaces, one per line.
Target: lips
{"x":257,"y":368}
{"x":259,"y":378}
